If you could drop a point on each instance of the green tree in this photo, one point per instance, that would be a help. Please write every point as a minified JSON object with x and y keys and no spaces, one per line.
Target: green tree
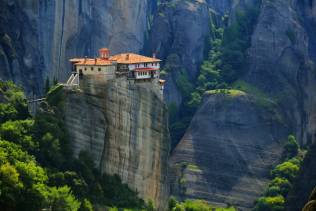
{"x":86,"y":205}
{"x":286,"y":170}
{"x":178,"y":207}
{"x":63,"y":199}
{"x":172,"y":202}
{"x":273,"y":191}
{"x":19,"y":132}
{"x":275,"y":203}
{"x":184,"y":84}
{"x":26,"y":188}
{"x":291,"y":147}
{"x":13,"y":103}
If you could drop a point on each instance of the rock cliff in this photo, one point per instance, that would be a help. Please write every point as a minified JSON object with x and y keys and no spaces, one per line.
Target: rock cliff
{"x":180,"y":36}
{"x":38,"y":37}
{"x":212,"y":160}
{"x":125,"y":127}
{"x":282,"y":54}
{"x":226,"y":154}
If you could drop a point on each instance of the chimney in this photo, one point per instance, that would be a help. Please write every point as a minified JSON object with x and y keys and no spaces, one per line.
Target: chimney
{"x":154,"y":55}
{"x":85,"y":59}
{"x":95,"y":61}
{"x":127,"y":57}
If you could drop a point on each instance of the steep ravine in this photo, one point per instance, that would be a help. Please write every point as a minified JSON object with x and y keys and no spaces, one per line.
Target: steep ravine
{"x":125,"y":127}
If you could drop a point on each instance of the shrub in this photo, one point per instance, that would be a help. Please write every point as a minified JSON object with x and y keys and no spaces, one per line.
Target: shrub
{"x":63,"y":199}
{"x":13,"y":103}
{"x":184,"y":84}
{"x":273,"y":191}
{"x":282,"y":183}
{"x":275,"y":203}
{"x":172,"y":202}
{"x":19,"y":132}
{"x":291,"y":147}
{"x":286,"y":170}
{"x":86,"y":205}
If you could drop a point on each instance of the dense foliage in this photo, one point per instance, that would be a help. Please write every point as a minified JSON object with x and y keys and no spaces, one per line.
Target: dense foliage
{"x":37,"y":169}
{"x":224,"y":64}
{"x":283,"y":176}
{"x":194,"y":205}
{"x":226,"y":61}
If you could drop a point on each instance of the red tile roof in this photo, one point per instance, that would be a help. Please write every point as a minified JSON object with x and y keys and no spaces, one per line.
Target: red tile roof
{"x":131,"y":58}
{"x":98,"y":61}
{"x":124,"y":58}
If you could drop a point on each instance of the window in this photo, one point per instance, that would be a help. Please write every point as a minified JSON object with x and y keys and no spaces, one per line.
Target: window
{"x":145,"y":65}
{"x":85,"y":69}
{"x":91,"y":68}
{"x":99,"y":69}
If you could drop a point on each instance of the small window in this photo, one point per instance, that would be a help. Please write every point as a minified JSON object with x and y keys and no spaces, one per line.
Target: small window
{"x":145,"y":65}
{"x":91,"y":68}
{"x":99,"y":69}
{"x":85,"y":69}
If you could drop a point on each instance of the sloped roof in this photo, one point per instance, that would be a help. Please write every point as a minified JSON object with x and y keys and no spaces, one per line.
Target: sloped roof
{"x":86,"y":61}
{"x":131,"y":58}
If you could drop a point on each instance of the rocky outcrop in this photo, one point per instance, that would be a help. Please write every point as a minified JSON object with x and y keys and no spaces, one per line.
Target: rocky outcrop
{"x":281,"y":66}
{"x":20,"y":59}
{"x":180,"y":30}
{"x":180,"y":36}
{"x":45,"y":34}
{"x":282,"y":55}
{"x":124,"y":126}
{"x":226,"y":154}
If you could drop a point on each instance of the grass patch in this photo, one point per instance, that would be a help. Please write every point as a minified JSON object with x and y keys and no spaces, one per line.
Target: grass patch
{"x":248,"y":88}
{"x":193,"y":167}
{"x":230,"y":92}
{"x":196,"y":205}
{"x":261,"y":98}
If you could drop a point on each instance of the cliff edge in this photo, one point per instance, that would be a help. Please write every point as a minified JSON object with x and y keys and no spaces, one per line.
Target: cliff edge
{"x":124,"y":125}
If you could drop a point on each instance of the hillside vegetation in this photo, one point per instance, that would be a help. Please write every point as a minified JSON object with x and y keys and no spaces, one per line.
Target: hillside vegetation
{"x":37,"y":169}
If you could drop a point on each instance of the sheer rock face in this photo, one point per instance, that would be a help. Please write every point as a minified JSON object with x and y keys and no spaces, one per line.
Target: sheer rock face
{"x":46,"y":33}
{"x":181,"y":30}
{"x":282,"y":62}
{"x":226,"y":154}
{"x":124,"y":126}
{"x":281,"y":65}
